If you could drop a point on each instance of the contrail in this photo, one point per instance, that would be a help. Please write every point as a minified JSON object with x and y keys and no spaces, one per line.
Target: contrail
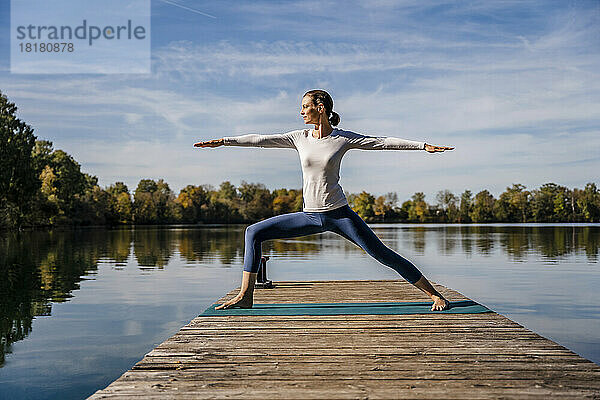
{"x":189,"y":9}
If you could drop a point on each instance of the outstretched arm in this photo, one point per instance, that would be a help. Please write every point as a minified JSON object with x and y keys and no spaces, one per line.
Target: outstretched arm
{"x":282,"y":140}
{"x":362,"y":142}
{"x":384,"y":143}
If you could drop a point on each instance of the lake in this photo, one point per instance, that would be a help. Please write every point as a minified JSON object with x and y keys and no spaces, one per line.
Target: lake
{"x":80,"y":307}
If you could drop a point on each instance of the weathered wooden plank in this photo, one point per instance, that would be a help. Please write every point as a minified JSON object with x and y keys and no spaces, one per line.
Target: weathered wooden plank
{"x":344,"y":389}
{"x":356,"y":356}
{"x":523,"y":361}
{"x":191,"y":378}
{"x":355,"y":391}
{"x":353,"y":342}
{"x":362,"y":351}
{"x":579,"y":380}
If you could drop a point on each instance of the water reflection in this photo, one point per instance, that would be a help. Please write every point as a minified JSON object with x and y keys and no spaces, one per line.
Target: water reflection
{"x":418,"y":234}
{"x":38,"y":269}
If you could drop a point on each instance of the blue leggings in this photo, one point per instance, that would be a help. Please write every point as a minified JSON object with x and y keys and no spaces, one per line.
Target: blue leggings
{"x":343,"y":221}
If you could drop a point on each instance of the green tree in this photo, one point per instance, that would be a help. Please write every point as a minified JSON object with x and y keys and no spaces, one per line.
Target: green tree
{"x":117,"y":188}
{"x":562,"y":205}
{"x":403,"y":211}
{"x":464,"y":213}
{"x":589,"y":203}
{"x":298,"y":199}
{"x":223,"y":204}
{"x":70,"y":182}
{"x":18,"y":177}
{"x":483,"y":207}
{"x":146,"y":186}
{"x":153,"y":202}
{"x":228,"y":192}
{"x":41,"y":155}
{"x":257,"y":201}
{"x":123,"y":208}
{"x":46,"y":209}
{"x":448,"y":203}
{"x":513,"y":204}
{"x":93,"y":208}
{"x":165,"y":200}
{"x":120,"y":203}
{"x":64,"y":193}
{"x":145,"y":210}
{"x":552,"y":203}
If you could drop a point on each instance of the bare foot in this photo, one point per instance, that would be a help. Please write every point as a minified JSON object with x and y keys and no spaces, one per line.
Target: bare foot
{"x":238,"y":301}
{"x":439,"y":304}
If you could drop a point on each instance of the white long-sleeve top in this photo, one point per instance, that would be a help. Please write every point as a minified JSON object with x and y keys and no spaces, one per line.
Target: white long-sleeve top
{"x":321,"y":159}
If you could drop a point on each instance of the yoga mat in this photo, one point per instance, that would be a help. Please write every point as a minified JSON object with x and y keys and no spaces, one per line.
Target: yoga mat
{"x":389,"y":308}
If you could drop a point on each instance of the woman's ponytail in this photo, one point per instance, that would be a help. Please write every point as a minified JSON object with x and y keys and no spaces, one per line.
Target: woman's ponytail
{"x":334,"y":119}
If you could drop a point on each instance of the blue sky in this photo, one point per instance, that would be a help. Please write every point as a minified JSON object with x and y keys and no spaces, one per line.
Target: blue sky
{"x":514,"y":85}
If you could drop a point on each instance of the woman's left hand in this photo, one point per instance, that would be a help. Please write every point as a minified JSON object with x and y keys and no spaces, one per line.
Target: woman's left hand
{"x":436,"y":149}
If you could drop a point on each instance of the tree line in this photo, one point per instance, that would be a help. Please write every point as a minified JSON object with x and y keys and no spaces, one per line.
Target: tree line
{"x":43,"y":186}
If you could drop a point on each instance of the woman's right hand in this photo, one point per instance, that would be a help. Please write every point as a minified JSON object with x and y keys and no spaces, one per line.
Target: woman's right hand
{"x":435,"y":149}
{"x":210,"y":143}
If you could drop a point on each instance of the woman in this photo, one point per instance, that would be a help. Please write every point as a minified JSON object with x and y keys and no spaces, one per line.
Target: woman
{"x":325,"y":207}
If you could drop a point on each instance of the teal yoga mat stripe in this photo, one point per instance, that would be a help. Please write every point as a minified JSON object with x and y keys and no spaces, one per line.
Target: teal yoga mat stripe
{"x":387,"y":308}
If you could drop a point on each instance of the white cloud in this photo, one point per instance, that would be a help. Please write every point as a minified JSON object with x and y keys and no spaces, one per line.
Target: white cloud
{"x":132,"y":118}
{"x":517,"y":105}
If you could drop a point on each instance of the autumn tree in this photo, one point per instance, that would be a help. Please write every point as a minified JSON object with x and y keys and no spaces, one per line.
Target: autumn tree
{"x":191,"y":199}
{"x":363,"y":204}
{"x":287,"y":201}
{"x":419,"y":210}
{"x":384,"y":206}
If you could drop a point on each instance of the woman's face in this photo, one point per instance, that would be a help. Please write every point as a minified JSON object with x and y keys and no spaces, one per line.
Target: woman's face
{"x":310,"y":112}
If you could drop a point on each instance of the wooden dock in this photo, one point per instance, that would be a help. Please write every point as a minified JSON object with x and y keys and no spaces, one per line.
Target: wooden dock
{"x":462,"y":356}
